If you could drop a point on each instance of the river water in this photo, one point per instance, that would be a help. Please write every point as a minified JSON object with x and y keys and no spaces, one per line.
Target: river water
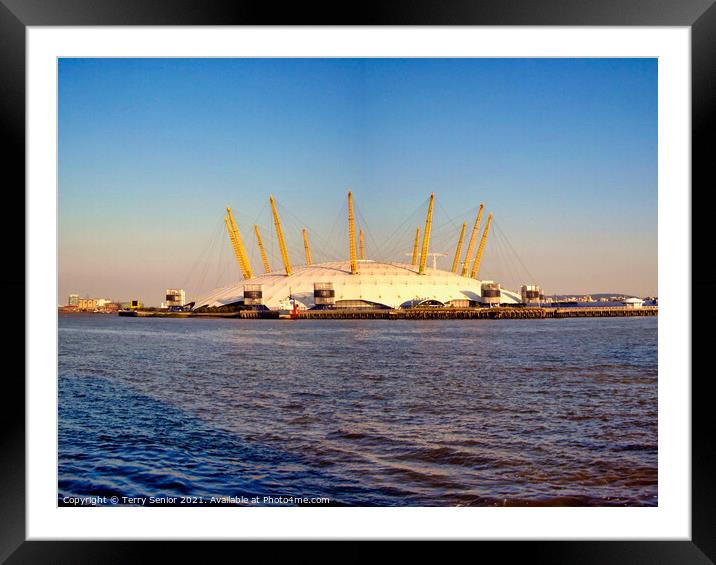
{"x":364,"y":412}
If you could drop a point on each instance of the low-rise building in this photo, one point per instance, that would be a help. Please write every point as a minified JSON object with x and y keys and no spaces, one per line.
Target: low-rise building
{"x":87,"y":304}
{"x":175,"y":297}
{"x":531,"y":294}
{"x":633,"y":302}
{"x":490,"y":293}
{"x":110,"y":307}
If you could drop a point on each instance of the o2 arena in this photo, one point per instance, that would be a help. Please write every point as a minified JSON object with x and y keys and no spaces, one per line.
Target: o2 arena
{"x":357,"y":282}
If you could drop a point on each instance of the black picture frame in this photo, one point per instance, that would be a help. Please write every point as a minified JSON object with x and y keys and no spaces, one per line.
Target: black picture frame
{"x":17,"y":15}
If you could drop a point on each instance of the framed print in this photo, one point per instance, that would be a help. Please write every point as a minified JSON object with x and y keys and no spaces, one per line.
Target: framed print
{"x":396,"y":278}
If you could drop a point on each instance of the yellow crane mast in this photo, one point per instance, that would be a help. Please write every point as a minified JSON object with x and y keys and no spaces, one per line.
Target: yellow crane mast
{"x":352,"y":235}
{"x":239,"y":248}
{"x":264,"y":259}
{"x":458,"y":249}
{"x":480,"y":249}
{"x":362,"y":245}
{"x":426,"y":235}
{"x":414,"y":261}
{"x":279,"y":235}
{"x":307,"y":247}
{"x":473,"y":239}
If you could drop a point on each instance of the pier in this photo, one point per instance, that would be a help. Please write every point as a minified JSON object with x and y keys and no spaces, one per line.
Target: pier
{"x":501,"y":313}
{"x":244,"y":314}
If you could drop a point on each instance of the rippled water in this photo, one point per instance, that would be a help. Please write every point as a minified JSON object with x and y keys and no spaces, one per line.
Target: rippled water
{"x":367,"y":412}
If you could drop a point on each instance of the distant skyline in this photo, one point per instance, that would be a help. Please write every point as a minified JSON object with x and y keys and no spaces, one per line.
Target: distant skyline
{"x":563,"y":152}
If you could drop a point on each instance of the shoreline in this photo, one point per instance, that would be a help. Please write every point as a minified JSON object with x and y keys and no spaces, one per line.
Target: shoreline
{"x":501,"y":313}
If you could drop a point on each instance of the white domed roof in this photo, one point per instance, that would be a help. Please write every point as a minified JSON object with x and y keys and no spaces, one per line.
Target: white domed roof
{"x":387,"y":284}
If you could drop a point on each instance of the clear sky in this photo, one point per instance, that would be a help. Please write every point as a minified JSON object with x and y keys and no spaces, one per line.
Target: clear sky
{"x":563,"y":152}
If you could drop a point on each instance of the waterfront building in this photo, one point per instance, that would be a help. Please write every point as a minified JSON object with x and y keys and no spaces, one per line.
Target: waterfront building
{"x":73,"y":300}
{"x":633,"y":302}
{"x":359,"y":282}
{"x":491,"y":293}
{"x":174,"y":297}
{"x":531,"y":294}
{"x":391,"y":285}
{"x":87,"y":304}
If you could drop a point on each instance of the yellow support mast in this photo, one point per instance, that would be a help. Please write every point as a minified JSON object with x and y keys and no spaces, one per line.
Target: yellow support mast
{"x":473,"y":239}
{"x":480,"y":249}
{"x":458,"y":249}
{"x":239,"y":248}
{"x":237,"y":253}
{"x":362,"y":245}
{"x":279,"y":235}
{"x":264,"y":259}
{"x":414,"y":261}
{"x":352,"y":235}
{"x":307,"y":247}
{"x":426,"y":235}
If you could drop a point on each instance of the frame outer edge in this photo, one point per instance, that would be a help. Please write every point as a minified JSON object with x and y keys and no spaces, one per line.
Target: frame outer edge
{"x":703,"y":429}
{"x":368,"y":12}
{"x":701,"y":14}
{"x":12,"y":281}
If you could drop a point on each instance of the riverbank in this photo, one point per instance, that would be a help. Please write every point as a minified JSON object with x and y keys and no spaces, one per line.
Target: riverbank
{"x":244,"y":314}
{"x":501,"y":313}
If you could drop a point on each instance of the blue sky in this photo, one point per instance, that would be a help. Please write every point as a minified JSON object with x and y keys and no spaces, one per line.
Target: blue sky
{"x":562,"y":151}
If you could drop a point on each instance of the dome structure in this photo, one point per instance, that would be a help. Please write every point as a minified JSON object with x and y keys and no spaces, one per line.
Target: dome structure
{"x":375,"y":284}
{"x":358,"y":282}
